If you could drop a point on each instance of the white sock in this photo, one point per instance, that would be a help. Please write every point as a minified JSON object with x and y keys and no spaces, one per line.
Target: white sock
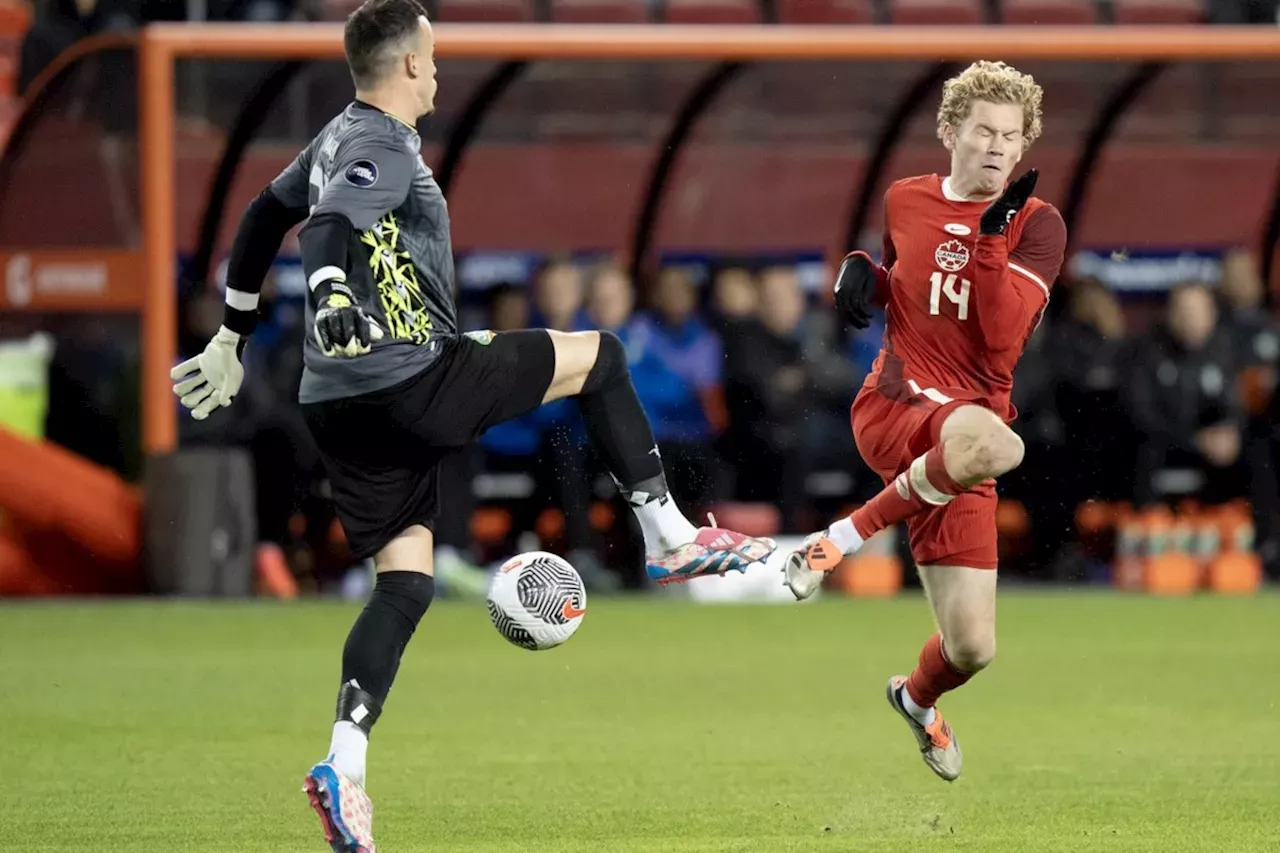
{"x":845,"y":535}
{"x":348,"y":748}
{"x":923,"y":716}
{"x":664,"y":525}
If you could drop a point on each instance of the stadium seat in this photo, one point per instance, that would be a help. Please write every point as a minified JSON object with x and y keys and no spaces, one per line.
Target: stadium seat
{"x":1159,"y":11}
{"x":486,"y":11}
{"x":711,"y":12}
{"x":935,"y":12}
{"x":1049,"y":12}
{"x":599,"y":11}
{"x":825,"y":12}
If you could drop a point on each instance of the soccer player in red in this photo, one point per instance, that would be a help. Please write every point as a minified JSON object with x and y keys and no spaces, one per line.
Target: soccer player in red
{"x":969,"y":261}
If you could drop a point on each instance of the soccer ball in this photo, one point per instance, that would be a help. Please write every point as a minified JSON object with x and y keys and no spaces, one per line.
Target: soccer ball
{"x":537,"y":600}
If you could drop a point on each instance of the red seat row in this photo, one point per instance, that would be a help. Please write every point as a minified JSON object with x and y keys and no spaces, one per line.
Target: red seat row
{"x":945,"y":12}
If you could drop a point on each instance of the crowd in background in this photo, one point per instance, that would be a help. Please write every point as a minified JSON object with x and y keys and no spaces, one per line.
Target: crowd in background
{"x":748,"y":380}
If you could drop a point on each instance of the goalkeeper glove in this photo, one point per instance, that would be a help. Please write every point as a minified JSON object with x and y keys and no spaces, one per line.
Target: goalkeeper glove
{"x":212,"y":378}
{"x":342,"y":328}
{"x":996,"y":218}
{"x":856,"y":286}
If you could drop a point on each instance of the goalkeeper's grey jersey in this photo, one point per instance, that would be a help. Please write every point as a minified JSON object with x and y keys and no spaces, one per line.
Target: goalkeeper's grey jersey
{"x":368,"y":167}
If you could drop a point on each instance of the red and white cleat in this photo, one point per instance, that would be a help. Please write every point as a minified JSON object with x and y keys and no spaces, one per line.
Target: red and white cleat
{"x":713,"y":551}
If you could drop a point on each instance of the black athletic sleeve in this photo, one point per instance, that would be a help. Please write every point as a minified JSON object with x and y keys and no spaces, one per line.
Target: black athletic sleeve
{"x":262,"y":228}
{"x":275,"y":210}
{"x":323,"y":243}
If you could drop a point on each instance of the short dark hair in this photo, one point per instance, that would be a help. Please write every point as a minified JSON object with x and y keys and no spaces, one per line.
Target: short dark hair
{"x":374,"y":28}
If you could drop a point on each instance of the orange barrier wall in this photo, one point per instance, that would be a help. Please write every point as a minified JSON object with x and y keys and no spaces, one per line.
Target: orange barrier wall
{"x":67,"y":524}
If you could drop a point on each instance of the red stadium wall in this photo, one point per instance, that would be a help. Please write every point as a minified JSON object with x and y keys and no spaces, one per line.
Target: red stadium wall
{"x":740,"y":198}
{"x":748,"y":198}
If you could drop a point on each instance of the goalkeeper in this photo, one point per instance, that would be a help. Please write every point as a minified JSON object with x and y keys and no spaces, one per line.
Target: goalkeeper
{"x":390,"y":388}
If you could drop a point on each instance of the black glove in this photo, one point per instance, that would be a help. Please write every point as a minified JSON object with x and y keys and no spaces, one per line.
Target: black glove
{"x":996,"y":218}
{"x":856,"y":288}
{"x":342,"y":327}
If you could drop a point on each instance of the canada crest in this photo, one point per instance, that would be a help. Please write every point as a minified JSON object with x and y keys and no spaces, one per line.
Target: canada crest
{"x":952,"y":256}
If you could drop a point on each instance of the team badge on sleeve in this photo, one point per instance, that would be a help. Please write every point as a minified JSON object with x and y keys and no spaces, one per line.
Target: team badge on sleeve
{"x":362,"y":173}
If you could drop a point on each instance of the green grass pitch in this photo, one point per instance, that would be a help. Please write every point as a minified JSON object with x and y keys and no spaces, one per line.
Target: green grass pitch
{"x":1106,"y":724}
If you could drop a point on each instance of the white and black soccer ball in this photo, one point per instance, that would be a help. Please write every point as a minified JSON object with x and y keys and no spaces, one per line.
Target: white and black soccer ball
{"x":537,"y":600}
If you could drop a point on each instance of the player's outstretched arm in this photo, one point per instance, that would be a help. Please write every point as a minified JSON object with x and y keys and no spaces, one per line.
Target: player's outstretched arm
{"x":212,"y":379}
{"x":1012,"y":288}
{"x":262,"y":229}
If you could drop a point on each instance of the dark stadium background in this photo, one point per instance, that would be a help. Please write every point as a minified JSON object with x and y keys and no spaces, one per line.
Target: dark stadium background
{"x":702,"y":204}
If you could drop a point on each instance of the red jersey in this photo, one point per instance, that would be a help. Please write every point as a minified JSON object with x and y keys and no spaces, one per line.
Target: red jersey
{"x":960,"y":306}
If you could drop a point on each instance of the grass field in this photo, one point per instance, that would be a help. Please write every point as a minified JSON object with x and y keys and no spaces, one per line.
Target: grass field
{"x":1106,"y":724}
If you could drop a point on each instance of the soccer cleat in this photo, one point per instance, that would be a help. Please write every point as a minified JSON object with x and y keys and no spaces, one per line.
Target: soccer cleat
{"x":805,"y":569}
{"x":713,"y":551}
{"x":345,"y":810}
{"x":938,"y":744}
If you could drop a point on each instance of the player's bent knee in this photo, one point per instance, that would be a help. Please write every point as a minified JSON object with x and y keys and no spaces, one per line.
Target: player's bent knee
{"x":997,"y":452}
{"x":610,"y":365}
{"x":970,"y":652}
{"x":1007,"y":451}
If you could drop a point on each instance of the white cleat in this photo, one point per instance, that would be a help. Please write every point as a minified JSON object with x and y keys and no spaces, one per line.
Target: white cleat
{"x":805,"y":569}
{"x":938,"y":744}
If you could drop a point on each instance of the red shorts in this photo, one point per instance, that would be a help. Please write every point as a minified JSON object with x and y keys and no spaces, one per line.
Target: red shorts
{"x":890,"y":434}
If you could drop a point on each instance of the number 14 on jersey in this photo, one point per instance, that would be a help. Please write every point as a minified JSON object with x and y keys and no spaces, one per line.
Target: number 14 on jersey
{"x":953,"y":287}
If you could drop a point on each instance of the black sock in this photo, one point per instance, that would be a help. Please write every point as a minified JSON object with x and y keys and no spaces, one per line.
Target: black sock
{"x":618,"y":426}
{"x":378,"y":639}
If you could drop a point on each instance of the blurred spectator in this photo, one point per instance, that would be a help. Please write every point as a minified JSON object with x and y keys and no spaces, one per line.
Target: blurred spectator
{"x":783,"y":375}
{"x":676,"y":366}
{"x":557,"y":296}
{"x":563,"y":473}
{"x":1256,"y":335}
{"x":1087,"y":349}
{"x":284,"y":452}
{"x":610,"y":299}
{"x":263,"y":418}
{"x":1185,"y":404}
{"x":1245,"y":316}
{"x":1265,"y":12}
{"x":93,"y":407}
{"x":734,"y":297}
{"x":508,"y":308}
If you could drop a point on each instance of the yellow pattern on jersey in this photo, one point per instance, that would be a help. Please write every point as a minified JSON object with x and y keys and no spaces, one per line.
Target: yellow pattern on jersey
{"x":397,"y":282}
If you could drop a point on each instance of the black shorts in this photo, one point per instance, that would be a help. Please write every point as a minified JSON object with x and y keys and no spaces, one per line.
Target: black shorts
{"x":381,"y":450}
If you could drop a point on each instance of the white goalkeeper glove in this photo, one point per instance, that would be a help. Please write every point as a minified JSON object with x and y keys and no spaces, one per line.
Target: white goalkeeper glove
{"x":212,"y":378}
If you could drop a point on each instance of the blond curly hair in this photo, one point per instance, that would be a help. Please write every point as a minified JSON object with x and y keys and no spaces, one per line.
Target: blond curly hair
{"x":997,"y":83}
